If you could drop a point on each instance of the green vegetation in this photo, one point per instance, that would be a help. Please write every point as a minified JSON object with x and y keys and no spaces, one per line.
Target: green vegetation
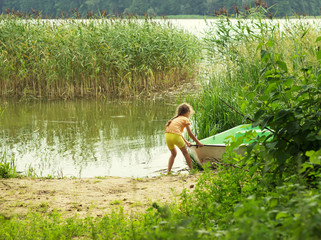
{"x":7,"y":167}
{"x":110,"y":57}
{"x":272,"y":75}
{"x":241,"y":56}
{"x":90,"y":8}
{"x":228,"y":204}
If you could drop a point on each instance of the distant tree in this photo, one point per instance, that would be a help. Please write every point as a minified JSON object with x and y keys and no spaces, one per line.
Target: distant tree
{"x":198,"y":6}
{"x":283,"y":8}
{"x":57,"y":8}
{"x":118,"y":6}
{"x":139,"y":7}
{"x":186,"y":9}
{"x":93,"y":5}
{"x":11,"y":4}
{"x":315,"y":7}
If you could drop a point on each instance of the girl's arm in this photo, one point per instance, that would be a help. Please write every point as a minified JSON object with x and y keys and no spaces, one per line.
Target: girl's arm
{"x":193,"y":137}
{"x":187,"y":142}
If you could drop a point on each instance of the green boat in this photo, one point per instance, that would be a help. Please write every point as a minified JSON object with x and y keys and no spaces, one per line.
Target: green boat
{"x":215,"y":146}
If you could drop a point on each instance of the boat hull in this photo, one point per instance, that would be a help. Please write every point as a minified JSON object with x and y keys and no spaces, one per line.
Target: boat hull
{"x":211,"y":153}
{"x":215,"y":146}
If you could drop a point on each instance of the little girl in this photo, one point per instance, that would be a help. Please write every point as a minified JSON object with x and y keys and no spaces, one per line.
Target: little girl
{"x":174,"y":134}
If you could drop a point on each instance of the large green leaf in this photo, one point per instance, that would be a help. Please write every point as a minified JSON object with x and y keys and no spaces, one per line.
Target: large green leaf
{"x":282,"y":65}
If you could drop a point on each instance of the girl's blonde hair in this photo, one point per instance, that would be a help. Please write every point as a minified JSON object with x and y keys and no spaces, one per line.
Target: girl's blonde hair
{"x":181,"y":110}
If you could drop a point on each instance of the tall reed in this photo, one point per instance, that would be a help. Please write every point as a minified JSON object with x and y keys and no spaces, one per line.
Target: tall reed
{"x":237,"y":56}
{"x":70,"y":58}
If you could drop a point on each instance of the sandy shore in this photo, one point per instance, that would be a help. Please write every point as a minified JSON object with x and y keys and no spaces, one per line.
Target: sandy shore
{"x":89,"y":197}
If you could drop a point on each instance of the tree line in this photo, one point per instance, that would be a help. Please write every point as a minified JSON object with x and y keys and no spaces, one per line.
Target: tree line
{"x":87,"y":8}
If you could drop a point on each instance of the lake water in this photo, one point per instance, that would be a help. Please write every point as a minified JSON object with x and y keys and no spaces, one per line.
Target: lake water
{"x":199,"y":26}
{"x":88,"y":138}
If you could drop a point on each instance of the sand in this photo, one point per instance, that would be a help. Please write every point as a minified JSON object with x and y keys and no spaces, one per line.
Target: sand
{"x":89,"y":197}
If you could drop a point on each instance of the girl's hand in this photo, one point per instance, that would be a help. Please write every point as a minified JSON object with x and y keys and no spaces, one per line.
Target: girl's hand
{"x":200,"y":144}
{"x":188,"y":144}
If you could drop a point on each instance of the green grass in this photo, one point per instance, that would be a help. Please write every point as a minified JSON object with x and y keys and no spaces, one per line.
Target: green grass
{"x":7,"y":167}
{"x":105,"y":57}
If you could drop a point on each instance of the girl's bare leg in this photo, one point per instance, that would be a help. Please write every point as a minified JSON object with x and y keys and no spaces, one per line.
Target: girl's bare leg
{"x":171,"y":159}
{"x":187,"y":157}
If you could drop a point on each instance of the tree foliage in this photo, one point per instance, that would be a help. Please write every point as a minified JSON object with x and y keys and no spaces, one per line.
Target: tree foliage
{"x":59,"y":8}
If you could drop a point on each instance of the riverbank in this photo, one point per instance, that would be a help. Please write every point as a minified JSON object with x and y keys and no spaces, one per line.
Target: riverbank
{"x":89,"y":197}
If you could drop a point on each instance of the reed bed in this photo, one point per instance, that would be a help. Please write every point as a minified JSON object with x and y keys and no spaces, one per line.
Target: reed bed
{"x":240,"y":54}
{"x":106,"y":57}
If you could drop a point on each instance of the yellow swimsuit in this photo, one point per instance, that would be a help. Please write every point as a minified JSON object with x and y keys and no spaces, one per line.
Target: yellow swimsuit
{"x":173,"y":139}
{"x":173,"y":132}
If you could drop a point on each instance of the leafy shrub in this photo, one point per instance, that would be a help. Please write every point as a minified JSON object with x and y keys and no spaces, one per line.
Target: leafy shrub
{"x":291,"y":106}
{"x":289,"y":212}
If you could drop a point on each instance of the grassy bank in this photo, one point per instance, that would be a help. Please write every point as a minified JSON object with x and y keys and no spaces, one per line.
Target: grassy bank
{"x":241,"y":54}
{"x":224,"y":205}
{"x":110,"y":57}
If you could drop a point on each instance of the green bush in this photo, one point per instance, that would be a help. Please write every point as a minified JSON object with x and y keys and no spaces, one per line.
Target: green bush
{"x":289,"y":212}
{"x":290,"y":105}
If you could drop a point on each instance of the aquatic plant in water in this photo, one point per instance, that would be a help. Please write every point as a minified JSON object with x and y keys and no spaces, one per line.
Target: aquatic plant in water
{"x":105,"y":57}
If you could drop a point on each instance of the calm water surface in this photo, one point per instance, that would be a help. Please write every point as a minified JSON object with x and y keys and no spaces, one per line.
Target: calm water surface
{"x":87,"y":138}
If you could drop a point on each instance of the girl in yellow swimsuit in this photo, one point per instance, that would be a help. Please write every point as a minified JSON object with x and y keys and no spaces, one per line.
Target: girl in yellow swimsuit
{"x":174,"y":134}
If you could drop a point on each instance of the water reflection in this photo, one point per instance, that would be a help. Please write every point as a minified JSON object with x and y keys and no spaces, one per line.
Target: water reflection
{"x":87,"y":138}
